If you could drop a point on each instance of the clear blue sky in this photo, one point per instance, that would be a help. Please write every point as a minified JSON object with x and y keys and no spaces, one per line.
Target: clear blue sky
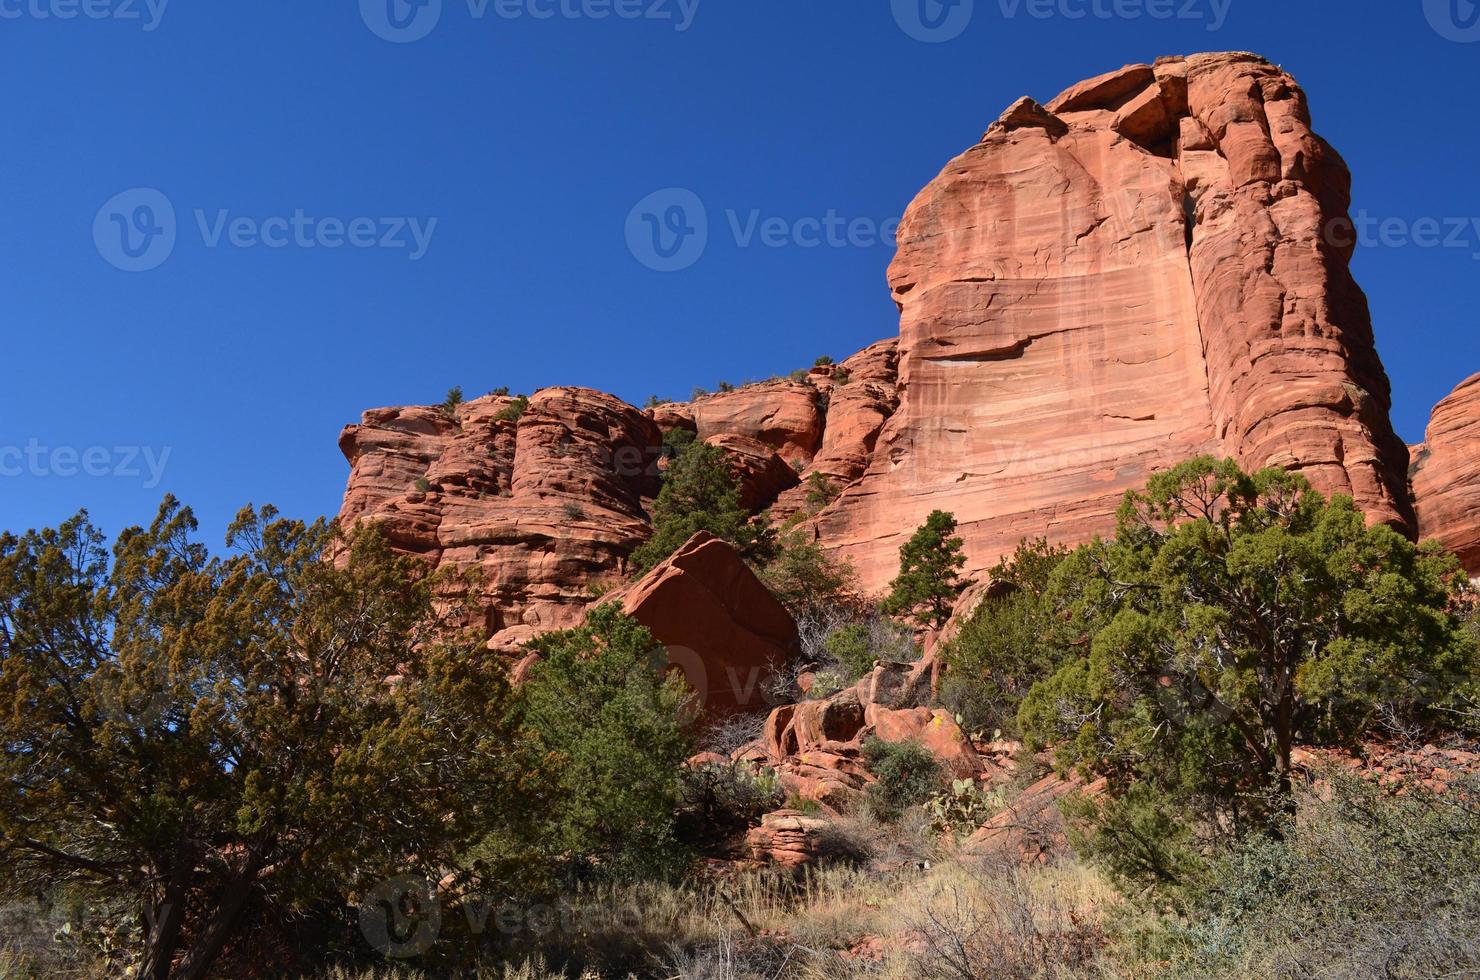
{"x":530,"y":140}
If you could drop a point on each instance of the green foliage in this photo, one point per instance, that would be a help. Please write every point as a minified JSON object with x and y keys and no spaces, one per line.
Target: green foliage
{"x":698,"y":393}
{"x":573,"y":511}
{"x":821,"y":490}
{"x":700,"y":494}
{"x":502,"y":391}
{"x":907,"y":774}
{"x":1364,"y":883}
{"x":1235,"y":616}
{"x":804,"y":577}
{"x":1012,"y":640}
{"x":804,"y":805}
{"x":213,"y":739}
{"x":601,"y":705}
{"x":800,"y":374}
{"x":962,"y":808}
{"x":454,"y":398}
{"x":423,"y":485}
{"x":675,"y":441}
{"x":822,"y":361}
{"x":842,"y":378}
{"x":849,"y":646}
{"x":720,"y":800}
{"x":725,"y":386}
{"x":1140,"y":837}
{"x":928,"y":582}
{"x":514,"y":410}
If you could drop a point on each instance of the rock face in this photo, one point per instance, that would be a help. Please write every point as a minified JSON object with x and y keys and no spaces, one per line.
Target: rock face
{"x":721,"y":626}
{"x":816,"y":746}
{"x":542,"y":505}
{"x":1147,"y":268}
{"x":1446,"y":475}
{"x":1150,"y":266}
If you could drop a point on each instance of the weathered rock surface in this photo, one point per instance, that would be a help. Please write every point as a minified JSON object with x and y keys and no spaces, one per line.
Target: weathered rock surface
{"x":1147,"y":267}
{"x":816,"y":746}
{"x":785,"y":415}
{"x":759,"y":471}
{"x":1141,"y":271}
{"x":543,"y":505}
{"x":788,"y":838}
{"x":721,"y":626}
{"x":1446,"y":475}
{"x":1031,"y":828}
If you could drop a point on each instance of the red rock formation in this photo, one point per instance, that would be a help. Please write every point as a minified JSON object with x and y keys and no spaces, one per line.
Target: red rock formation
{"x":816,"y":746}
{"x":719,"y":623}
{"x":789,"y":838}
{"x":761,"y":473}
{"x":1446,"y":475}
{"x":1150,"y":266}
{"x":785,"y":415}
{"x":543,"y":505}
{"x":1146,"y":269}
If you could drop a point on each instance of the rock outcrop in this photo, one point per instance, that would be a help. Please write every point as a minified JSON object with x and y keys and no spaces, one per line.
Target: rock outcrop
{"x":816,"y":746}
{"x":1147,"y":268}
{"x":543,"y":503}
{"x":1150,"y":266}
{"x":1446,"y":475}
{"x":720,"y":625}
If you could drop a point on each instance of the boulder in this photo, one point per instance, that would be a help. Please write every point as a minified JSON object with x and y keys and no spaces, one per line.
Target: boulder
{"x":787,"y":837}
{"x":785,"y":415}
{"x":720,"y":625}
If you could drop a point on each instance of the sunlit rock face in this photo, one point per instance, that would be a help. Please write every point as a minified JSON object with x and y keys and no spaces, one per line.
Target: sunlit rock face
{"x":1151,"y":266}
{"x":1446,"y":475}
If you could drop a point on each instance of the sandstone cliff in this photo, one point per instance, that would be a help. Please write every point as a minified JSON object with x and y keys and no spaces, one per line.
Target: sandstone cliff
{"x":1141,"y":271}
{"x":1446,"y":475}
{"x":1149,"y":266}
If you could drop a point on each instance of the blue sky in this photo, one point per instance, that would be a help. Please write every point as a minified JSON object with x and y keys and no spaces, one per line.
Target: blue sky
{"x":516,"y":145}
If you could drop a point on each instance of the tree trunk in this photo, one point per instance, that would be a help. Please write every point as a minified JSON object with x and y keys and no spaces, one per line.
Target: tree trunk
{"x":207,"y":946}
{"x":163,"y":920}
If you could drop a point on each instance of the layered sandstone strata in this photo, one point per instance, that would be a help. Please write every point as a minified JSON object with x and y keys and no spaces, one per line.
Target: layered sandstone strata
{"x":1148,"y":268}
{"x":1446,"y":475}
